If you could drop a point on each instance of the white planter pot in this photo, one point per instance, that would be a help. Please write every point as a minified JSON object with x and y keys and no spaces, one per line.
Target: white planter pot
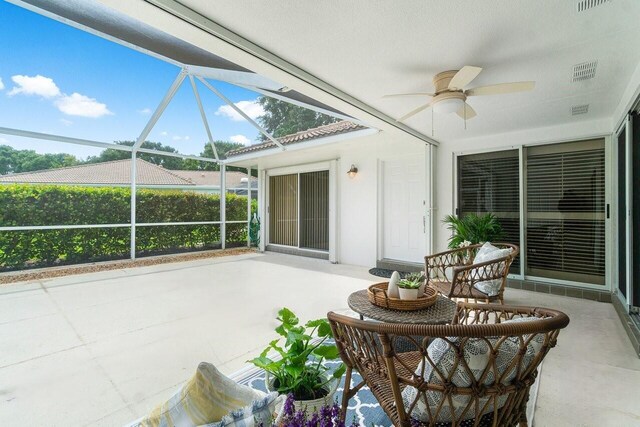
{"x":408,"y":294}
{"x":309,"y":405}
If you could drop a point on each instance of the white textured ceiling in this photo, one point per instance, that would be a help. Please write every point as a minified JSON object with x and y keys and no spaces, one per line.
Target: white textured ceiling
{"x":370,"y":48}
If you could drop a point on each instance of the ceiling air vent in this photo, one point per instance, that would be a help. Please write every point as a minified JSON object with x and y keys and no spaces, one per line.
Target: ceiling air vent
{"x":590,"y":4}
{"x":576,"y":110}
{"x":584,"y":71}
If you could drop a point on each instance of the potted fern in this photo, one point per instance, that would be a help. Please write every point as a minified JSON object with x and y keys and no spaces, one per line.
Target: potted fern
{"x":473,"y":228}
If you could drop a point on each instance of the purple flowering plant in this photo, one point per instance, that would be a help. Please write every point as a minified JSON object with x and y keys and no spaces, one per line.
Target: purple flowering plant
{"x":327,"y":416}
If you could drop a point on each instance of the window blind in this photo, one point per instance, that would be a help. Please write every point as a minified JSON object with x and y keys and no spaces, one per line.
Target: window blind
{"x":490,"y":183}
{"x":565,"y":194}
{"x":283,"y":210}
{"x":314,"y":210}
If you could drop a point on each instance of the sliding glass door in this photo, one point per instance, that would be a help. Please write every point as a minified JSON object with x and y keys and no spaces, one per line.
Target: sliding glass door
{"x":490,"y":183}
{"x":565,"y":227}
{"x":299,"y":210}
{"x":563,"y":206}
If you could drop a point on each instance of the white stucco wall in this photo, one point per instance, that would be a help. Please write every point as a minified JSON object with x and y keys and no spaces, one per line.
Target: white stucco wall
{"x":357,"y":198}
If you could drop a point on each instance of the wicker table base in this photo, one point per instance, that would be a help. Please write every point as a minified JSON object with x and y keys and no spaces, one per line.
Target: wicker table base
{"x":440,"y":313}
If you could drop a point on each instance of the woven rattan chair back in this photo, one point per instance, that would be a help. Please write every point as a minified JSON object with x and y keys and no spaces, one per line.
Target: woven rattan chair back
{"x":454,"y":275}
{"x":397,"y":363}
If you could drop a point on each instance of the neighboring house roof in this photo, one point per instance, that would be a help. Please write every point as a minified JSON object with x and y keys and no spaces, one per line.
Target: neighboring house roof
{"x":115,"y":172}
{"x":234,"y":179}
{"x":118,"y":172}
{"x":305,"y":135}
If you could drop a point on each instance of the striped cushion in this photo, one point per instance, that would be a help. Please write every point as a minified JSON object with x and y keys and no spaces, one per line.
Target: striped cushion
{"x":210,"y":397}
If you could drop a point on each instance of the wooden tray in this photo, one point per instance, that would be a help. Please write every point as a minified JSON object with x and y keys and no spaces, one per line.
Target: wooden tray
{"x":377,"y":294}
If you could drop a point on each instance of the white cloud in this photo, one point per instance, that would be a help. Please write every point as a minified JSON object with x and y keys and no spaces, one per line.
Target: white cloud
{"x":1,"y":84}
{"x":3,"y":140}
{"x":66,"y":122}
{"x":145,"y":111}
{"x":181,"y":138}
{"x":36,"y":85}
{"x":240,"y":139}
{"x":81,"y":105}
{"x":164,"y":133}
{"x":251,"y":108}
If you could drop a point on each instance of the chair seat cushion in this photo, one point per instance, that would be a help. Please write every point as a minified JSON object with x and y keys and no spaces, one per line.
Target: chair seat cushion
{"x":444,"y":287}
{"x":485,"y":362}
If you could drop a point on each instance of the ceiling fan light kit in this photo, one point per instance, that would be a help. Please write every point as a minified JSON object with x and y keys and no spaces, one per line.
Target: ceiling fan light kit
{"x":451,"y":97}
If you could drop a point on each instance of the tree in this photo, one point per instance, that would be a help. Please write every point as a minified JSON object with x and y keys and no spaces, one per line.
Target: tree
{"x":222,"y":147}
{"x":17,"y":161}
{"x":282,"y":118}
{"x":167,"y":162}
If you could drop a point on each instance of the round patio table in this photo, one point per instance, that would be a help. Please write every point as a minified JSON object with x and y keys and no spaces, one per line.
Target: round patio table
{"x":438,"y":314}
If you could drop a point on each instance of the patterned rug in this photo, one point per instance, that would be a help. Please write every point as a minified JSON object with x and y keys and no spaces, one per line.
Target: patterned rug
{"x":363,"y":407}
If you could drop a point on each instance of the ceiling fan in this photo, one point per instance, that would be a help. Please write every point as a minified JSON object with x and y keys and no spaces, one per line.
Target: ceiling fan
{"x":450,"y":95}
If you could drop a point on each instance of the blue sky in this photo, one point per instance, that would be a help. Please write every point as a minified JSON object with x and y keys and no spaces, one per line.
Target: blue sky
{"x":60,"y":80}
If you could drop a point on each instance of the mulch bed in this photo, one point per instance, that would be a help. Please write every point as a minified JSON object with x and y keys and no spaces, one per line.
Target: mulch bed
{"x":48,"y":273}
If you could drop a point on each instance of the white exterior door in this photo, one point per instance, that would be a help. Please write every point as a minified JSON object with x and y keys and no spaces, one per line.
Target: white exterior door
{"x":404,"y":209}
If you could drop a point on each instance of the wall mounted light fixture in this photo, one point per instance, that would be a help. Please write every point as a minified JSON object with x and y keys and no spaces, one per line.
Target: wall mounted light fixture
{"x":352,"y":172}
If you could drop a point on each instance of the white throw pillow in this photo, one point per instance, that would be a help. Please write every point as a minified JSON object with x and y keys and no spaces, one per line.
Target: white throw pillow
{"x":488,"y":252}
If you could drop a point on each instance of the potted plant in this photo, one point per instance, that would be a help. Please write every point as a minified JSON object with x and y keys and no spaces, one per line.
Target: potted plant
{"x":410,"y":287}
{"x":473,"y":229}
{"x":296,"y":366}
{"x":327,"y":416}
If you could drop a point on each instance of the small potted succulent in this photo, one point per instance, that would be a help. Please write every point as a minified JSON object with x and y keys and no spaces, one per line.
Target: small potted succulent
{"x":296,"y":367}
{"x":412,"y":286}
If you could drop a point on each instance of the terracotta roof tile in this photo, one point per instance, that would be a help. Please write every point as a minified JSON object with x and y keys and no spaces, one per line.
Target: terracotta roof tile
{"x":306,"y":135}
{"x":117,"y":172}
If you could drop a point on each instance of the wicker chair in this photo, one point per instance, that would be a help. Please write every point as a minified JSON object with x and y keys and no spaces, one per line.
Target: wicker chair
{"x":453,"y":275}
{"x":460,"y":392}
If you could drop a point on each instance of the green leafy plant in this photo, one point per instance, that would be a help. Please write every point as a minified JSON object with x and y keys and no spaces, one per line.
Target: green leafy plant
{"x":411,"y":281}
{"x":473,"y":228}
{"x":299,"y":369}
{"x":24,"y":205}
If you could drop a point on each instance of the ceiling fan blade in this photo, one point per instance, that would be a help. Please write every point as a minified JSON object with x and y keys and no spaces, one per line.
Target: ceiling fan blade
{"x":501,"y":88}
{"x":398,"y":95}
{"x":470,"y":113}
{"x":464,"y":77}
{"x":414,"y":112}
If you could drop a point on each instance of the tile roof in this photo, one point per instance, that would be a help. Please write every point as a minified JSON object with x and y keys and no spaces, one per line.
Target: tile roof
{"x":115,"y":172}
{"x":118,"y":172}
{"x":234,"y":178}
{"x":306,"y":135}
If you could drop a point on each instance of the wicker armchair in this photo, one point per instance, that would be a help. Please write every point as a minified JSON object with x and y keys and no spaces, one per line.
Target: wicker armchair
{"x":491,"y":362}
{"x":453,"y":275}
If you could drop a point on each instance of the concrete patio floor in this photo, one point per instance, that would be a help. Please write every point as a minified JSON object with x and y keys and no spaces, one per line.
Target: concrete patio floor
{"x":104,"y":348}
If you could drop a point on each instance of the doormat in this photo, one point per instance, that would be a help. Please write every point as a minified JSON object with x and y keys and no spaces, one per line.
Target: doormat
{"x":385,"y":272}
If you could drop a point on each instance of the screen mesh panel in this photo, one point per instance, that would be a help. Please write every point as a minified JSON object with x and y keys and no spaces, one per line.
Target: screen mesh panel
{"x":490,"y":183}
{"x":565,"y":229}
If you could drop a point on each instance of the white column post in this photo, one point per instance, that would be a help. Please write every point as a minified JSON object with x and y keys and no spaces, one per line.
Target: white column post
{"x":133,"y":205}
{"x":223,"y":206}
{"x":248,"y":207}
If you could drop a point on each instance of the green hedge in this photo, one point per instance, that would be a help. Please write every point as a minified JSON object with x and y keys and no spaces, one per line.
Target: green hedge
{"x":25,"y":205}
